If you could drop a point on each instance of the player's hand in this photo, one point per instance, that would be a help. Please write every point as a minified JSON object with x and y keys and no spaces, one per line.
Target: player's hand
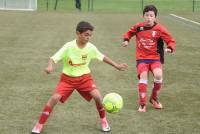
{"x":49,"y":69}
{"x":125,"y":43}
{"x":168,"y":50}
{"x":122,"y":66}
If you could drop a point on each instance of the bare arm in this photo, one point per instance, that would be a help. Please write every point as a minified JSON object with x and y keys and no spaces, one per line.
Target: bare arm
{"x":121,"y":67}
{"x":49,"y":68}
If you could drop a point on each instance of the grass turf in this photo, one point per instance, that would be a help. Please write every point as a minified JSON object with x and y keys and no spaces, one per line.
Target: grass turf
{"x":121,"y":5}
{"x":27,"y":39}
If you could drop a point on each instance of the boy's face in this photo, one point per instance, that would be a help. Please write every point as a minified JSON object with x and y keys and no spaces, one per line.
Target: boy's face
{"x":84,"y":37}
{"x":150,"y":18}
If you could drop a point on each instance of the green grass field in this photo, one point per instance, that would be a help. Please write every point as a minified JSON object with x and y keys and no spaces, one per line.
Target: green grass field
{"x":28,"y":39}
{"x":121,"y":5}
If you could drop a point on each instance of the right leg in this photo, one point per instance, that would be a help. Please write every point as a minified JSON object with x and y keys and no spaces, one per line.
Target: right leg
{"x":46,"y":113}
{"x":49,"y":107}
{"x":142,"y":90}
{"x":63,"y":90}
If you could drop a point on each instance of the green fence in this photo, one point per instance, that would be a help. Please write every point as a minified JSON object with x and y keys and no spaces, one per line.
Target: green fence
{"x":120,"y":5}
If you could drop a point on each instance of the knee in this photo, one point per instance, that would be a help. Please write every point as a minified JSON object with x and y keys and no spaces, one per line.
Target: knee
{"x":158,"y":77}
{"x":98,"y":99}
{"x":95,"y":94}
{"x":144,"y":75}
{"x":55,"y":98}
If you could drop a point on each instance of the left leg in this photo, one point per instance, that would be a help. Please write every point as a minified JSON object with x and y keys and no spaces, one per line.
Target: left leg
{"x":158,"y":77}
{"x":98,"y":100}
{"x":157,"y":72}
{"x":88,"y":90}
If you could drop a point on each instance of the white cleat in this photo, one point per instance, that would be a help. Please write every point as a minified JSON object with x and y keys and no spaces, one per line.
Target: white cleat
{"x":37,"y":128}
{"x":104,"y":125}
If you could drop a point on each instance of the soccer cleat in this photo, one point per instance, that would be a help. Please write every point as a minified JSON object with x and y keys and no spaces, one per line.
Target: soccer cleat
{"x":104,"y":125}
{"x":142,"y":108}
{"x":156,"y":104}
{"x":37,"y":128}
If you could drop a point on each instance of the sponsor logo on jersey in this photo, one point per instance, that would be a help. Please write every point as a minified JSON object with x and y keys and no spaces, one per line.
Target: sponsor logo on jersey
{"x":146,"y":43}
{"x":78,"y":61}
{"x":75,"y":65}
{"x":141,"y":28}
{"x":84,"y":57}
{"x":153,"y":33}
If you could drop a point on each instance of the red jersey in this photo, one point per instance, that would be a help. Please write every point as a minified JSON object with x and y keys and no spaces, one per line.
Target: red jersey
{"x":147,"y":40}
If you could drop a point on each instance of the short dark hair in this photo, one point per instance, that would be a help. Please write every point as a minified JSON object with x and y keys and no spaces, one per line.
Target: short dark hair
{"x":84,"y":26}
{"x":148,"y":8}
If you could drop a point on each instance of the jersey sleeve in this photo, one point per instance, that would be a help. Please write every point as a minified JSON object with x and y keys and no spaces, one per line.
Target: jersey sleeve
{"x":168,"y":39}
{"x":59,"y":54}
{"x":130,"y":33}
{"x":96,"y":54}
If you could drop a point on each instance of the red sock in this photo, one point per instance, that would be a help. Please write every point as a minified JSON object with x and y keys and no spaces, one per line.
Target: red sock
{"x":101,"y":110}
{"x":142,"y":89}
{"x":45,"y":114}
{"x":156,"y":89}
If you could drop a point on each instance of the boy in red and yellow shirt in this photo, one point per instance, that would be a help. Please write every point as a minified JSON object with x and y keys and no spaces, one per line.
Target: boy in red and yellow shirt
{"x":76,"y":56}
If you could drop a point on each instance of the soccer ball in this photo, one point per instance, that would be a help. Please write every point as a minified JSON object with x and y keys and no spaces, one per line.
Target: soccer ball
{"x":113,"y":102}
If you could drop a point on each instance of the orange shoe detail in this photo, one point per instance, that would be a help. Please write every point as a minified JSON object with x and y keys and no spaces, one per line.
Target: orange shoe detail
{"x":156,"y":104}
{"x":142,"y":108}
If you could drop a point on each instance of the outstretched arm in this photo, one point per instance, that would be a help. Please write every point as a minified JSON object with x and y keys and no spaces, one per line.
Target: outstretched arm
{"x":49,"y":68}
{"x":127,"y":36}
{"x":120,"y":67}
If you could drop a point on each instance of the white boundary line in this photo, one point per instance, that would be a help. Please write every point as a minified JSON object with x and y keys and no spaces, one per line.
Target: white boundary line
{"x":185,"y":19}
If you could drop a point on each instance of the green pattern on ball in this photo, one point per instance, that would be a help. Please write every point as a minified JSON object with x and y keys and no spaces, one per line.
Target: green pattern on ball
{"x":113,"y":102}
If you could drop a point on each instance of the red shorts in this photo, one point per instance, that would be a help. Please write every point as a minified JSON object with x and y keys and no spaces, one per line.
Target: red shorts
{"x":142,"y":67}
{"x":67,"y":84}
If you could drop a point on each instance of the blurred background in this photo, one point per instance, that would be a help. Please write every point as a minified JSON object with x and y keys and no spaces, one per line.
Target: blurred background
{"x":104,"y":5}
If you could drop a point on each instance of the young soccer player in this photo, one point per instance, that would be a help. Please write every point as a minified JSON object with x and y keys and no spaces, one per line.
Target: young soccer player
{"x":76,"y":56}
{"x":149,"y":54}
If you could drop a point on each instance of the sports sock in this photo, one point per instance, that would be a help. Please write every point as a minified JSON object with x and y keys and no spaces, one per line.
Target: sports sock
{"x":156,"y":89}
{"x":101,"y":110}
{"x":45,"y":114}
{"x":142,"y":89}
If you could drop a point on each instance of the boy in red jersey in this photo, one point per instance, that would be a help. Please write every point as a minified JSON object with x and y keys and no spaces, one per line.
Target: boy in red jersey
{"x":149,"y":39}
{"x":76,"y":56}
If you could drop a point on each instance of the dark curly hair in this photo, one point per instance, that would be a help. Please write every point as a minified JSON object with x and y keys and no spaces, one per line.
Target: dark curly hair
{"x":148,"y":8}
{"x":84,"y":26}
